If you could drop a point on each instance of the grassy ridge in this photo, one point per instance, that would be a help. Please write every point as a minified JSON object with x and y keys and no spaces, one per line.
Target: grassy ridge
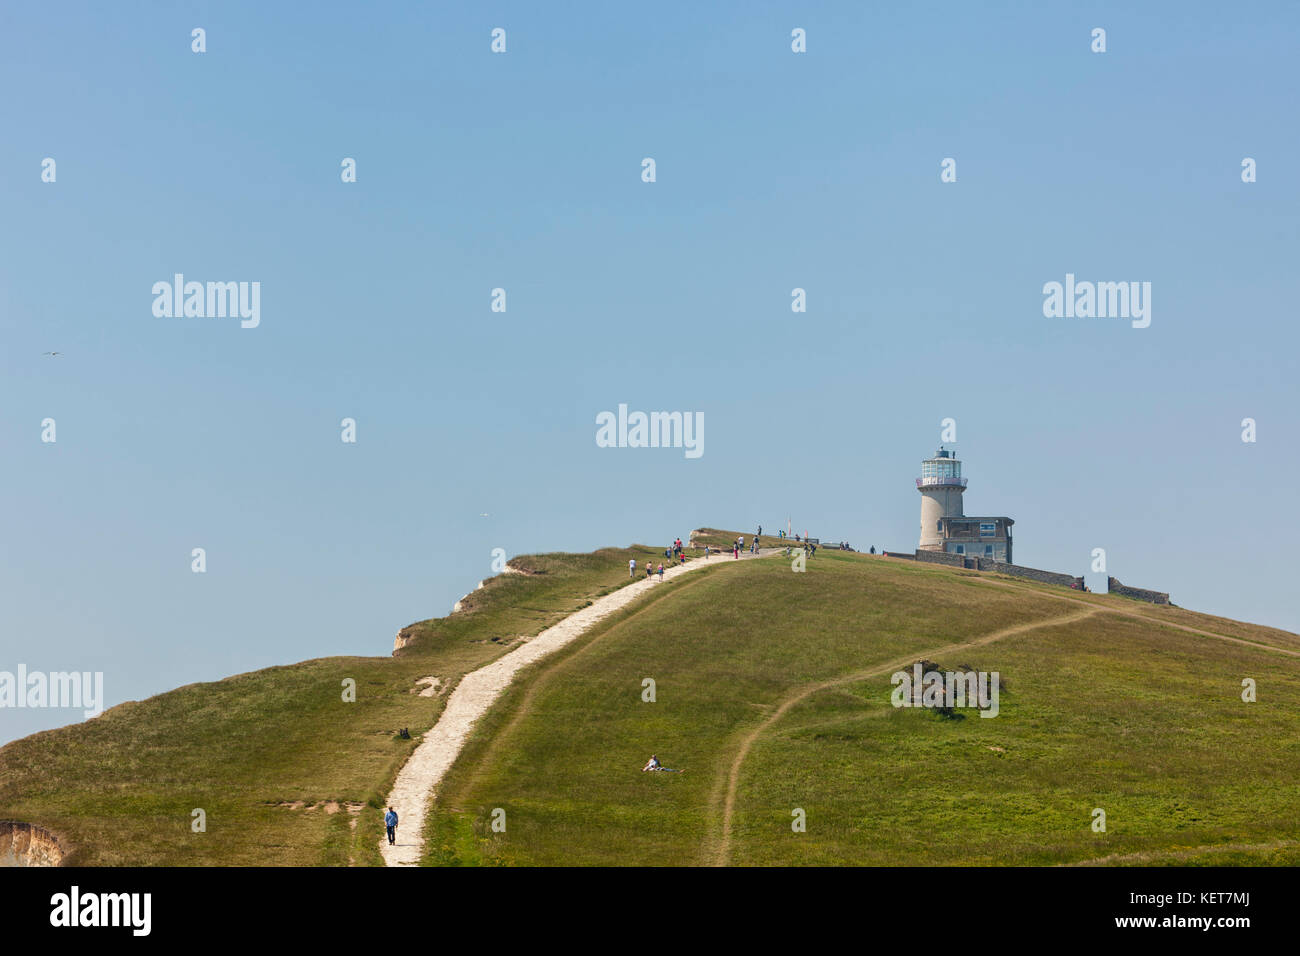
{"x":120,"y":789}
{"x":1146,"y":724}
{"x":1117,"y":711}
{"x":1113,"y":711}
{"x":728,"y":643}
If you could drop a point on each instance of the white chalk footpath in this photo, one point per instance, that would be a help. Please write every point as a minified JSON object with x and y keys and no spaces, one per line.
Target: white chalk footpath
{"x":477,"y":690}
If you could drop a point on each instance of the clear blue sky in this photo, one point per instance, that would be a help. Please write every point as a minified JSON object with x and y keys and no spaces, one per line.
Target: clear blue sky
{"x":523,"y":171}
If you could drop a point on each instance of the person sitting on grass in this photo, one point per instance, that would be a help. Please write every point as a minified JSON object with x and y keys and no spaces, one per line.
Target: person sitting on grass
{"x":653,"y":764}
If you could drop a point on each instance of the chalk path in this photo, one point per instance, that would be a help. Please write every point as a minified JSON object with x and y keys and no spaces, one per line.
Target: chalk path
{"x":478,"y":690}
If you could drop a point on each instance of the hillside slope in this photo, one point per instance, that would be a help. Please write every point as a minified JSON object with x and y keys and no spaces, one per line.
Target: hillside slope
{"x":285,"y":771}
{"x":771,"y":691}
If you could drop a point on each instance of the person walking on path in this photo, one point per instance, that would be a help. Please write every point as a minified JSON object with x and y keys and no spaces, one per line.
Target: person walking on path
{"x":649,"y":570}
{"x":661,"y":572}
{"x":631,"y":568}
{"x":390,"y":822}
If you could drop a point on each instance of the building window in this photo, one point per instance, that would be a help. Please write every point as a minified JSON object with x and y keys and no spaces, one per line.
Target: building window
{"x":988,"y":549}
{"x":988,"y":529}
{"x":961,"y":549}
{"x":939,"y":525}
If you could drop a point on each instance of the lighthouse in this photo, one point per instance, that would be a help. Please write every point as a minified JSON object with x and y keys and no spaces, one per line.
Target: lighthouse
{"x":941,"y":486}
{"x":945,"y":526}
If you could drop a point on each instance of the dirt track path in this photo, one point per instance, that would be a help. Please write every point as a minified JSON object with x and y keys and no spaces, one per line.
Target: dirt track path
{"x":722,"y":846}
{"x":477,"y":691}
{"x":1137,"y":615}
{"x":719,"y":852}
{"x":416,"y":783}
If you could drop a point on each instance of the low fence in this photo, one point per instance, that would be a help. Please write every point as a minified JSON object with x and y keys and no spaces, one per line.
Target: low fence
{"x":1020,"y":571}
{"x":999,"y":567}
{"x":942,"y":557}
{"x":1142,"y":594}
{"x":1033,"y":574}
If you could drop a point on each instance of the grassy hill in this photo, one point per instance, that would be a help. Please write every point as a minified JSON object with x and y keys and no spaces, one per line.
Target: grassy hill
{"x":772,"y":692}
{"x":286,"y":772}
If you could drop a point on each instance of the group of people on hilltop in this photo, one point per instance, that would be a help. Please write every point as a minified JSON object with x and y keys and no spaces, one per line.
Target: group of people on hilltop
{"x":649,"y":569}
{"x":673,"y":554}
{"x":676,"y":552}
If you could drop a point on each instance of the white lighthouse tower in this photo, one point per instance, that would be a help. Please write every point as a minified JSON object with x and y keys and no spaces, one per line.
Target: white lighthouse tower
{"x":941,"y":486}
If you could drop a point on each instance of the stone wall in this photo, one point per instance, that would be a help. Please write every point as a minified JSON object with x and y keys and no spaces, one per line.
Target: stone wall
{"x":942,"y":557}
{"x":1034,"y":574}
{"x":1153,"y":597}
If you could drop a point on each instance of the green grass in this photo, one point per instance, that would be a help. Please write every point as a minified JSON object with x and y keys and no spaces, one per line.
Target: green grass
{"x":1125,"y":709}
{"x":120,"y":789}
{"x":1111,"y":711}
{"x":1104,"y":713}
{"x":723,"y":540}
